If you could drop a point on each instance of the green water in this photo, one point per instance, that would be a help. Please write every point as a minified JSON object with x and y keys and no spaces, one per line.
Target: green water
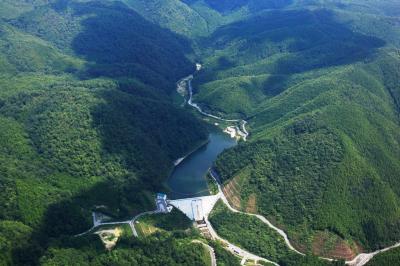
{"x":188,"y":178}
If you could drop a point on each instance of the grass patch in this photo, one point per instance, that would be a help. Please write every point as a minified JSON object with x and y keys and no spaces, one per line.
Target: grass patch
{"x":171,"y":222}
{"x":212,"y":185}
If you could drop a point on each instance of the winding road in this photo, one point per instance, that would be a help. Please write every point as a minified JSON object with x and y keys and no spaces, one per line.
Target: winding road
{"x":210,"y":249}
{"x":364,"y":258}
{"x":262,"y":218}
{"x":245,"y":255}
{"x":360,"y":260}
{"x":185,"y":84}
{"x":130,"y":222}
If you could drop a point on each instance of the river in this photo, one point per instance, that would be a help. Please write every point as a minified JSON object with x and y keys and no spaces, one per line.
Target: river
{"x":188,"y":178}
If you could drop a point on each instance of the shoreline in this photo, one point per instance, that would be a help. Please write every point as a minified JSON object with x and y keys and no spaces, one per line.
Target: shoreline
{"x":184,"y":88}
{"x":196,"y":148}
{"x":178,"y":161}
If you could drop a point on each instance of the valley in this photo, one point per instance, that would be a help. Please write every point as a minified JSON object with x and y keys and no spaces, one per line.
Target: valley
{"x":292,"y":104}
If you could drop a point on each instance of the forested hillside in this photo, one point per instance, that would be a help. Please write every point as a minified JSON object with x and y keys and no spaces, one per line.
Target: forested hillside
{"x":86,"y":121}
{"x":322,"y":100}
{"x":318,"y":82}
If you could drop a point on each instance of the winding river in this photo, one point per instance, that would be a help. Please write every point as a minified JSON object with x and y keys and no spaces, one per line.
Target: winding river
{"x":188,"y":178}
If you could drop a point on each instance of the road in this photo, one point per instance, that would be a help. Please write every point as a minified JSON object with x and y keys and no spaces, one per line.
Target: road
{"x":235,"y":249}
{"x":133,"y":220}
{"x":359,"y":260}
{"x":130,"y":222}
{"x":262,"y":218}
{"x":187,"y":81}
{"x":364,"y":258}
{"x":210,"y":249}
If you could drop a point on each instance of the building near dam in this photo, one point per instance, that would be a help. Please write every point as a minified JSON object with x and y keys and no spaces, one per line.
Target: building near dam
{"x":161,"y":203}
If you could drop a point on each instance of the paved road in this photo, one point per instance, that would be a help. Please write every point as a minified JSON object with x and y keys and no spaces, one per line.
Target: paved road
{"x":133,"y":220}
{"x":262,"y":218}
{"x":364,"y":258}
{"x":211,"y":250}
{"x":188,"y":80}
{"x":235,"y":249}
{"x":130,"y":222}
{"x":359,"y":260}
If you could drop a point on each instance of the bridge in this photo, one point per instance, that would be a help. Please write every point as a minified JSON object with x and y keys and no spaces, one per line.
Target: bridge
{"x":198,"y":208}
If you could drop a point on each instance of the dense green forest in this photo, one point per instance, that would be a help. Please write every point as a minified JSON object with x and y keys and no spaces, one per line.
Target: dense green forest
{"x":319,"y":86}
{"x":249,"y":232}
{"x":159,"y":249}
{"x":318,"y":82}
{"x":170,"y":244}
{"x":253,"y":235}
{"x":87,"y":120}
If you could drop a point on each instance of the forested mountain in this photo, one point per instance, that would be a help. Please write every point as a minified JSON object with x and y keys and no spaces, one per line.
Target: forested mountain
{"x":321,"y":95}
{"x":87,"y":121}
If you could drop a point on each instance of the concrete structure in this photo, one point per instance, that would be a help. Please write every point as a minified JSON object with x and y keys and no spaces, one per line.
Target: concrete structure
{"x":161,"y":196}
{"x":195,"y":208}
{"x":161,"y":203}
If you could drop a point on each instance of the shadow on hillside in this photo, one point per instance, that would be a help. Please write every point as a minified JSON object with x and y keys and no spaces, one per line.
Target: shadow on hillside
{"x":118,"y":42}
{"x":118,"y":198}
{"x":140,"y":127}
{"x":137,"y":128}
{"x":146,"y":134}
{"x":291,"y":42}
{"x":226,"y":6}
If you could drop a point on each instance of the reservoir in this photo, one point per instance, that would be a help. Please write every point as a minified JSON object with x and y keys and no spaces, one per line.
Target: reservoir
{"x":189,"y":178}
